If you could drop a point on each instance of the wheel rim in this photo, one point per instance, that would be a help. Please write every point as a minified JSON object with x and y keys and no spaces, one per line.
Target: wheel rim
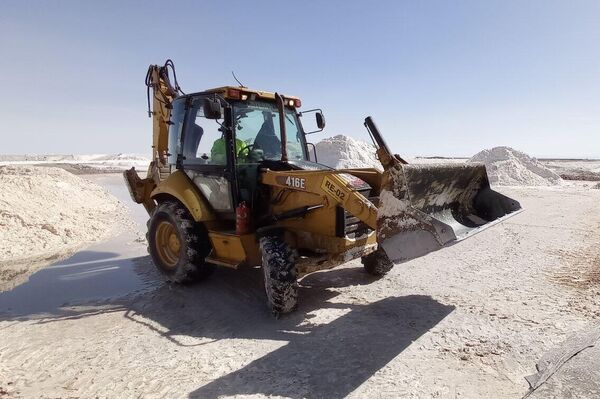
{"x":167,"y":244}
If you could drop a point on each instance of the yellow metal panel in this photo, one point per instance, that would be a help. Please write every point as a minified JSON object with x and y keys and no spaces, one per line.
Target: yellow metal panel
{"x":227,"y":247}
{"x":335,"y":190}
{"x":332,"y":245}
{"x":178,"y":185}
{"x":250,"y":244}
{"x":234,"y":249}
{"x":319,"y":221}
{"x":371,"y":175}
{"x":326,"y":186}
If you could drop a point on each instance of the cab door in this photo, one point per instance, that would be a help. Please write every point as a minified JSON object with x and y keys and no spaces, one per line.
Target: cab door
{"x":204,"y":156}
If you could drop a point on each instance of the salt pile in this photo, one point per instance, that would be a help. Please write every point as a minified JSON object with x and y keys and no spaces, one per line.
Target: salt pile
{"x":509,"y":167}
{"x":50,"y":158}
{"x":45,"y":211}
{"x":121,"y":157}
{"x":81,"y":163}
{"x":343,"y":152}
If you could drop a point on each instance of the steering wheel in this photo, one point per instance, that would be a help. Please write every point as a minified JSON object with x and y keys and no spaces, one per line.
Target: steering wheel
{"x":248,"y":155}
{"x":246,"y":147}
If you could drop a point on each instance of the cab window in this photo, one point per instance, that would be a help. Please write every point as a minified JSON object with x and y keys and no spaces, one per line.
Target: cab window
{"x":203,"y":141}
{"x":257,"y":130}
{"x":177,"y":116}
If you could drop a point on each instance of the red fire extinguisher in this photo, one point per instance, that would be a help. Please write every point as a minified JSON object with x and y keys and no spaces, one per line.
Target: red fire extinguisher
{"x":242,"y":219}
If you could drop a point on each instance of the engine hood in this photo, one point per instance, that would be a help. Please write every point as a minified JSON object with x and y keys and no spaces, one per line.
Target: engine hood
{"x":354,"y":182}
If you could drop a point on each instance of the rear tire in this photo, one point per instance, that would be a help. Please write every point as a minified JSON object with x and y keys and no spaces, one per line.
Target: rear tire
{"x":280,"y":276}
{"x":377,"y":263}
{"x":178,"y":244}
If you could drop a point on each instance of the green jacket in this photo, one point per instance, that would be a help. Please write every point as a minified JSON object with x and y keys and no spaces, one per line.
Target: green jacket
{"x":217,"y":152}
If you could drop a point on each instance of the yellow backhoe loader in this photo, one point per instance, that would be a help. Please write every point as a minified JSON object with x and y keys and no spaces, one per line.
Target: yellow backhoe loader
{"x":232,"y":184}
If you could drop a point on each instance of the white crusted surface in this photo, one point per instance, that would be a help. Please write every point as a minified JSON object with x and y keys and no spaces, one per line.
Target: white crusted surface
{"x":45,"y":211}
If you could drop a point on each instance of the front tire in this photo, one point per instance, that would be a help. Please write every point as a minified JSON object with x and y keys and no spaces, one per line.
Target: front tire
{"x":377,"y":263}
{"x":177,"y":244}
{"x":280,"y":276}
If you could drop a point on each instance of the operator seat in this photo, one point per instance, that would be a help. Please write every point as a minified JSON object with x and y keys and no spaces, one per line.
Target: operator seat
{"x":266,"y":139}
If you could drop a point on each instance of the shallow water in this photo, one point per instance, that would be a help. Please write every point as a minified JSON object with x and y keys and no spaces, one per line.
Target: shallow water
{"x":112,"y":268}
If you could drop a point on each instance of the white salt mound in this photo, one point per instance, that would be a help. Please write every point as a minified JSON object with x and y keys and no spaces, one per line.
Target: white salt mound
{"x":46,"y":211}
{"x":73,"y":158}
{"x":509,"y":167}
{"x":343,"y":152}
{"x":121,"y":157}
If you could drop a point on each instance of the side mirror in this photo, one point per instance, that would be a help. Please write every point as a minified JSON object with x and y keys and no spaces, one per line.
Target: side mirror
{"x":212,"y":108}
{"x":320,"y":120}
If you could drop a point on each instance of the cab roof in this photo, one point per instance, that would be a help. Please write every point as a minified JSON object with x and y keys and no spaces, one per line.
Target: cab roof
{"x":234,"y":93}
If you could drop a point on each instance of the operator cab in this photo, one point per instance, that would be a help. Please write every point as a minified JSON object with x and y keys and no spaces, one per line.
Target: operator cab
{"x":205,"y":126}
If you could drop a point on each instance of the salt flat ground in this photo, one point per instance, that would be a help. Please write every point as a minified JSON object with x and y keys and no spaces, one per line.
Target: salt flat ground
{"x":469,"y":321}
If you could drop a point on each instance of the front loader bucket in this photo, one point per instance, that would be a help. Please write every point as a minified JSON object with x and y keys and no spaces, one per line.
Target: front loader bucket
{"x":423,"y":208}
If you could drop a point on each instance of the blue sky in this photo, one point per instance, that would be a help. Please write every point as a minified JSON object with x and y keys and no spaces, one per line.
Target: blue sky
{"x":439,"y":77}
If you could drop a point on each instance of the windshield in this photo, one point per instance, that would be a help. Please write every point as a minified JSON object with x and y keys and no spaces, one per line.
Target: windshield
{"x":257,"y":127}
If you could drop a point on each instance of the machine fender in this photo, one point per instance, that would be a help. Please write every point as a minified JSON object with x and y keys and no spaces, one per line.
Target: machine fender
{"x":179,"y":186}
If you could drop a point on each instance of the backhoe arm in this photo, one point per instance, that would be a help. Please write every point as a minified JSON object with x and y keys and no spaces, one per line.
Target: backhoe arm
{"x":163,"y":93}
